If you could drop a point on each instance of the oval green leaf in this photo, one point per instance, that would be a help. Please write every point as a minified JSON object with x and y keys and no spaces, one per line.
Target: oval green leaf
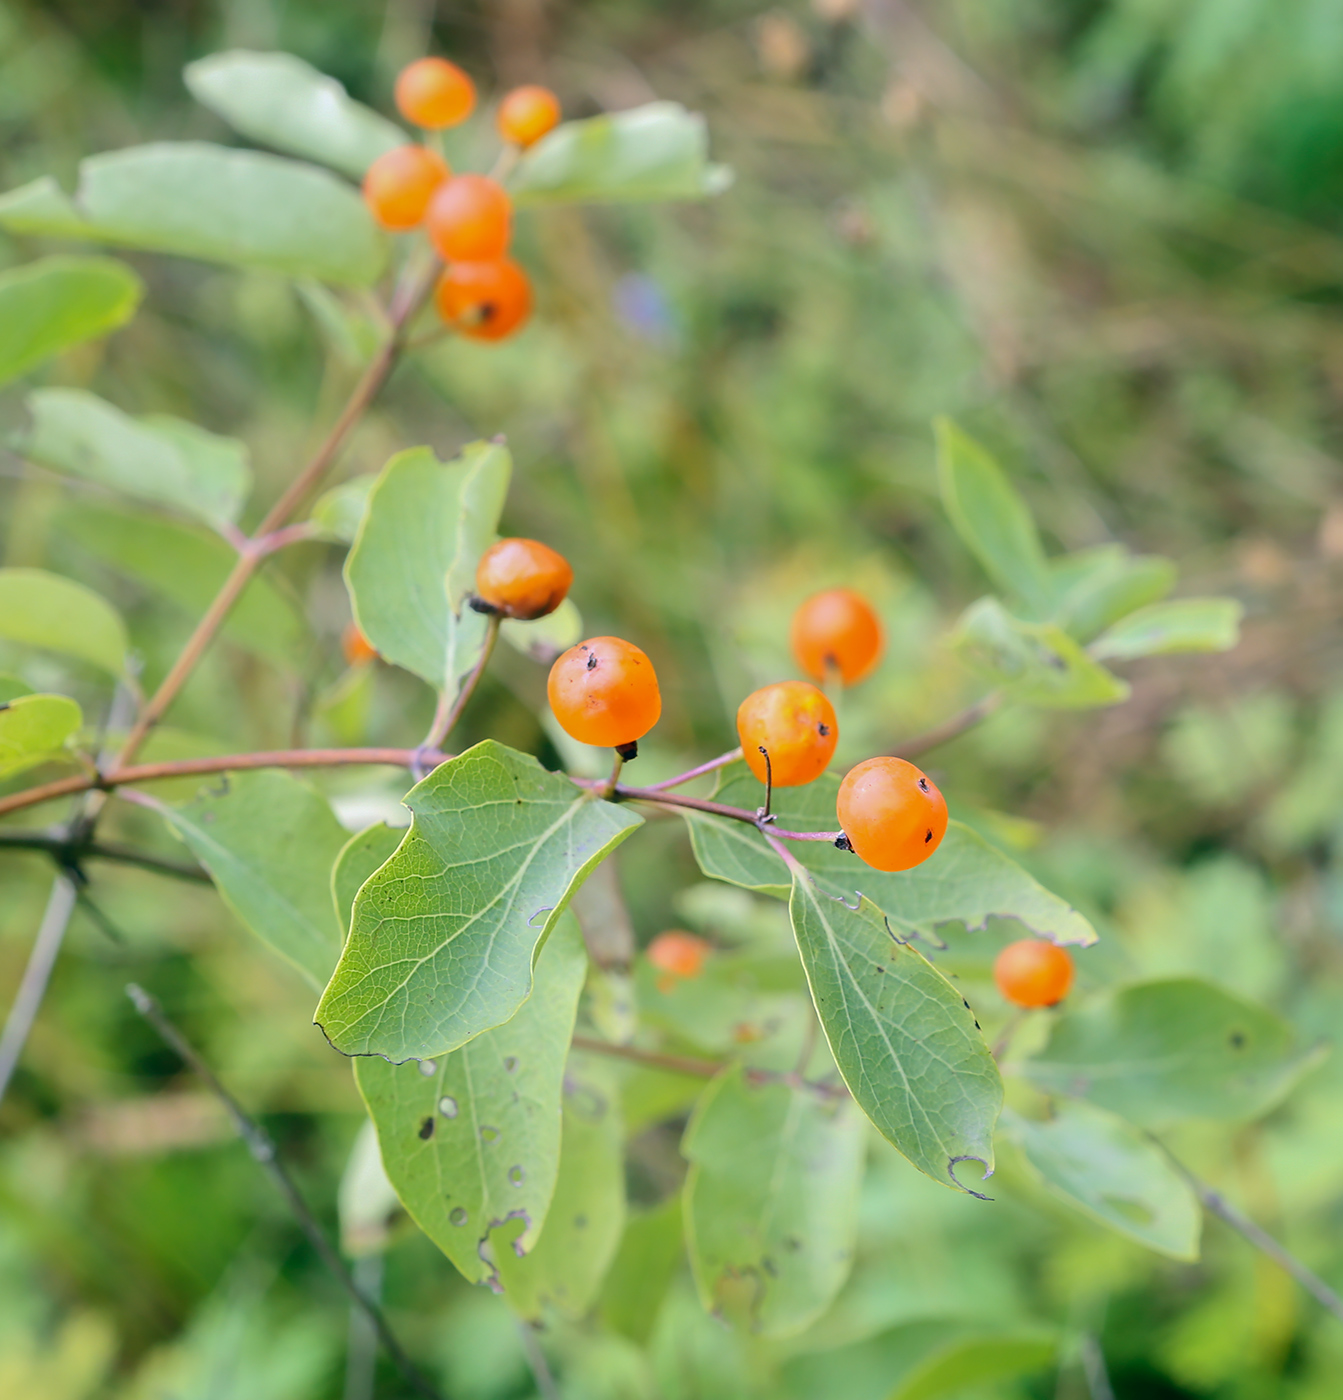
{"x":34,"y":728}
{"x":39,"y":609}
{"x":1096,"y":587}
{"x":1187,"y":624}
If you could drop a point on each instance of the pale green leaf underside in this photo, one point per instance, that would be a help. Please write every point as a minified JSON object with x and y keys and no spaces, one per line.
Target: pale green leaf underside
{"x":903,"y":1037}
{"x":338,"y":512}
{"x":424,"y":527}
{"x":270,"y":841}
{"x":771,"y":1201}
{"x":1187,"y":624}
{"x":278,"y":100}
{"x":160,"y":459}
{"x":445,"y":934}
{"x":587,"y":1212}
{"x":33,"y":728}
{"x":471,"y":1139}
{"x":51,"y":304}
{"x":655,"y":152}
{"x":367,"y":1200}
{"x":244,"y":208}
{"x":1162,"y":1051}
{"x":546,"y":637}
{"x":1109,"y":1171}
{"x":965,"y":881}
{"x":45,"y":610}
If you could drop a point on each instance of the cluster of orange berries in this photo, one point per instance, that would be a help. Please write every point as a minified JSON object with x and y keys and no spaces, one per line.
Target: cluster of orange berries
{"x":482,"y":293}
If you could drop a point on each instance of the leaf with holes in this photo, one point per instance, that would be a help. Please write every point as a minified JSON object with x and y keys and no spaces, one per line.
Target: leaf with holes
{"x":904,"y":1039}
{"x":34,"y":728}
{"x":270,"y":842}
{"x":587,"y":1213}
{"x":471,"y":1140}
{"x":52,"y":304}
{"x":966,"y":881}
{"x":1162,"y":1051}
{"x":445,"y":935}
{"x":771,"y":1200}
{"x":39,"y":609}
{"x":1108,"y":1170}
{"x":278,"y":100}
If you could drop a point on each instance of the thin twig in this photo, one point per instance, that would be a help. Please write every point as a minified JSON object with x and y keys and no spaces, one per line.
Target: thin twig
{"x":536,"y":1359}
{"x":1094,"y":1369}
{"x":64,"y":851}
{"x":264,"y":1152}
{"x":1219,"y":1206}
{"x":723,"y":759}
{"x":950,"y":729}
{"x":446,"y":717}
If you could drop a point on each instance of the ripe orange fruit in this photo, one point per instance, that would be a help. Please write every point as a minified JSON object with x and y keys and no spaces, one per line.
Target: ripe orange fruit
{"x":893,"y":815}
{"x":796,"y":723}
{"x":604,"y":691}
{"x":470,"y":219}
{"x":357,"y":648}
{"x":484,"y":300}
{"x":522,"y":578}
{"x":678,"y":953}
{"x":433,"y":93}
{"x":527,"y":113}
{"x":838,"y":629}
{"x":1033,"y":973}
{"x":400,"y":183}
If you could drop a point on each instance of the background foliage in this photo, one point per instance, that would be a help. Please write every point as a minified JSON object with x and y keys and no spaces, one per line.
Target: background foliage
{"x":1104,"y":238}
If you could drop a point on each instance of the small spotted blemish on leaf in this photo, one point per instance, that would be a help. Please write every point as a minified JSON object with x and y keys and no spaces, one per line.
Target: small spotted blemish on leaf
{"x":1237,"y":1040}
{"x":426,"y":1129}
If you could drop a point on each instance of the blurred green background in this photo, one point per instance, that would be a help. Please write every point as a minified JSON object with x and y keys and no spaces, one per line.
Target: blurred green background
{"x":1105,"y":236}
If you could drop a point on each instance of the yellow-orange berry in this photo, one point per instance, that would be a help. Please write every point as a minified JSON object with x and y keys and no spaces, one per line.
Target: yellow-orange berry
{"x":1033,"y":973}
{"x":356,"y":647}
{"x":796,"y":724}
{"x":527,"y":113}
{"x":522,"y":578}
{"x":837,"y":630}
{"x":484,"y":300}
{"x":893,"y":815}
{"x":604,"y":691}
{"x":433,"y":93}
{"x":470,"y":219}
{"x":678,"y":953}
{"x":400,"y":184}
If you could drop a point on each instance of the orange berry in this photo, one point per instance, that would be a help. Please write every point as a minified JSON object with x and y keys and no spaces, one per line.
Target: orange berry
{"x":358,"y":650}
{"x":840,"y":630}
{"x":433,"y":93}
{"x":679,"y":954}
{"x":484,"y":300}
{"x":1033,"y":973}
{"x":400,"y":183}
{"x":527,"y":113}
{"x":522,"y":578}
{"x":893,"y":815}
{"x":604,"y":691}
{"x":796,"y":723}
{"x":470,"y":219}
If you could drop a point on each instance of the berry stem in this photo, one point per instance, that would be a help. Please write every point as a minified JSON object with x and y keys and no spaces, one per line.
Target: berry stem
{"x":609,"y":790}
{"x":447,"y":714}
{"x":723,"y":759}
{"x":763,"y":813}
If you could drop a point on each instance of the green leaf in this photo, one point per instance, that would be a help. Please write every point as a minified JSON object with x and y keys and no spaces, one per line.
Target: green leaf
{"x":34,"y":727}
{"x":1036,"y":663}
{"x":160,"y":459}
{"x":11,"y":687}
{"x":270,"y":841}
{"x":445,"y":936}
{"x":642,"y":1271}
{"x":39,"y":609}
{"x":339,"y":511}
{"x":423,"y":532}
{"x":771,"y":1200}
{"x":905,"y":1040}
{"x":991,"y":519}
{"x":1108,"y":1170}
{"x":188,"y":565}
{"x":278,"y":100}
{"x":587,"y":1213}
{"x":1188,"y":624}
{"x":51,"y":304}
{"x":471,"y":1139}
{"x":655,"y":152}
{"x":1162,"y":1051}
{"x":966,"y":881}
{"x":975,"y":1360}
{"x":546,"y":637}
{"x":243,"y":208}
{"x":1096,"y":587}
{"x":363,"y":854}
